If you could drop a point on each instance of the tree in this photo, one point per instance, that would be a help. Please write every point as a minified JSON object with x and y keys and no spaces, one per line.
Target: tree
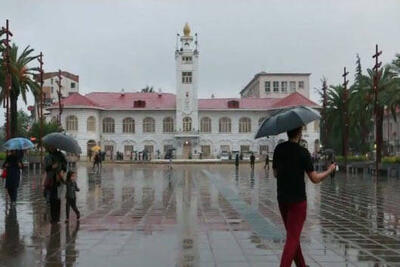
{"x":334,"y":116}
{"x":148,"y":89}
{"x":48,"y":127}
{"x":387,"y":91}
{"x":23,"y":123}
{"x":22,"y":82}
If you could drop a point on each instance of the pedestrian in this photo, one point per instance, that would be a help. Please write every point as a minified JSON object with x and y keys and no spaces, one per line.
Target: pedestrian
{"x":13,"y":166}
{"x":70,"y":195}
{"x":252,"y":160}
{"x":237,"y":160}
{"x":55,"y":196}
{"x":96,"y":161}
{"x":266,"y":166}
{"x":55,"y":166}
{"x":290,"y":161}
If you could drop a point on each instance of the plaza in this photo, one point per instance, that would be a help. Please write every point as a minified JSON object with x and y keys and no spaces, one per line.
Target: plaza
{"x":200,"y":215}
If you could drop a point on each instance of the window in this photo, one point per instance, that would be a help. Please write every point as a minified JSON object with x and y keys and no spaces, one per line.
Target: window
{"x":244,"y":125}
{"x":51,"y":81}
{"x":72,"y":85}
{"x":276,"y":86}
{"x":267,"y":86}
{"x":128,"y":149}
{"x":284,"y":87}
{"x":91,"y":124}
{"x":233,"y":104}
{"x":148,"y":125}
{"x":301,"y":84}
{"x":187,"y":77}
{"x":128,"y":125}
{"x":316,"y":126}
{"x":225,"y":148}
{"x":186,"y":59}
{"x":139,"y":104}
{"x":206,"y":150}
{"x":149,"y":148}
{"x":292,"y":86}
{"x":168,"y":125}
{"x":205,"y":125}
{"x":244,"y":149}
{"x":72,"y":123}
{"x":108,"y":125}
{"x":225,"y":125}
{"x":187,"y":124}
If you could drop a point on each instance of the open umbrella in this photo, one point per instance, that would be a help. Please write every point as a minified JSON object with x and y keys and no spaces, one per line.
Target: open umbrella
{"x":286,"y":120}
{"x":62,"y":142}
{"x":18,"y":143}
{"x":96,"y":148}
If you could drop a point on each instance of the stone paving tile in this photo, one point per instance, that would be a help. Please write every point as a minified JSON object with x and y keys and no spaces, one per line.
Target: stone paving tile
{"x":150,"y":216}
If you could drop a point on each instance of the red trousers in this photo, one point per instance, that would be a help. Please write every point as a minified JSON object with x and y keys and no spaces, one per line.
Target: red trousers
{"x":293,"y":215}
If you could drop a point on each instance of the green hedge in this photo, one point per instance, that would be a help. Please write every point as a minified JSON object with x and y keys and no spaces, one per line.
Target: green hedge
{"x":2,"y":155}
{"x":394,"y":159}
{"x":351,"y":158}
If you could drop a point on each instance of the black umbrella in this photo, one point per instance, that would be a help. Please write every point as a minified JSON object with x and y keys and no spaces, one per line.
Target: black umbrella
{"x":62,"y":142}
{"x":286,"y":120}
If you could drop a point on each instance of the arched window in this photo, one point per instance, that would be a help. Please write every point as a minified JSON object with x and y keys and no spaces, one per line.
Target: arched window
{"x":128,"y":125}
{"x":168,"y":125}
{"x":244,"y":125}
{"x":148,"y":125}
{"x":91,"y":124}
{"x":108,"y":125}
{"x":205,"y":125}
{"x":224,"y":125}
{"x":187,"y":124}
{"x":72,"y":123}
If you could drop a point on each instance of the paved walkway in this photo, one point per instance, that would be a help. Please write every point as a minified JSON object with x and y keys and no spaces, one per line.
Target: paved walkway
{"x":200,"y":216}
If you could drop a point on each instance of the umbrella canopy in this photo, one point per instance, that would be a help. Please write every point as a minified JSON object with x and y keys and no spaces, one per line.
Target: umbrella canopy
{"x":18,"y":143}
{"x":286,"y":120}
{"x":62,"y":142}
{"x":96,"y":149}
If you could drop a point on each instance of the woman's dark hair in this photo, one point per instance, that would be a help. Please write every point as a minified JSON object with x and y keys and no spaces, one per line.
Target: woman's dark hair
{"x":69,"y":175}
{"x":293,"y":133}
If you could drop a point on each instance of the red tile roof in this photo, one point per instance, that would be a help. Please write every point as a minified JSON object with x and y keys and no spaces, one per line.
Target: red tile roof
{"x":167,"y":101}
{"x":295,"y":99}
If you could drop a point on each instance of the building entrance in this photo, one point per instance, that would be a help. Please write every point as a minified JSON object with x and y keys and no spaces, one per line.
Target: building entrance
{"x":187,"y":150}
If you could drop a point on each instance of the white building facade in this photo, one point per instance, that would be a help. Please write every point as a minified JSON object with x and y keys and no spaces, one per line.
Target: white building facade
{"x":192,"y":127}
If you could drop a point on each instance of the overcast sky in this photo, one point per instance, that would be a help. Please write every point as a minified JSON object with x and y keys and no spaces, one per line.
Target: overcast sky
{"x":114,"y":44}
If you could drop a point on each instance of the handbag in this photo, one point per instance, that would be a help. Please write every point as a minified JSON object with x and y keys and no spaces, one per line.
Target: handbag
{"x":4,"y":174}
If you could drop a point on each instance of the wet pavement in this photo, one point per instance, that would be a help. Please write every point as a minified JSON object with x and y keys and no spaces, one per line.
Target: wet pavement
{"x":200,"y":215}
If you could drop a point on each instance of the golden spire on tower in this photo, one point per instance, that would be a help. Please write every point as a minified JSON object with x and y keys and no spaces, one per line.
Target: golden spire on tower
{"x":186,"y":30}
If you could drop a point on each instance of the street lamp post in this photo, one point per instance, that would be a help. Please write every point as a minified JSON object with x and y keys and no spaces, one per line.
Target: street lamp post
{"x":345,"y":117}
{"x":8,"y":81}
{"x":377,"y":109}
{"x":40,"y":59}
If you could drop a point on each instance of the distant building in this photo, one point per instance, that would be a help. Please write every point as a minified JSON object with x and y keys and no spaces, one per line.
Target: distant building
{"x":277,"y":85}
{"x":69,"y":85}
{"x":391,"y":134}
{"x":156,"y":123}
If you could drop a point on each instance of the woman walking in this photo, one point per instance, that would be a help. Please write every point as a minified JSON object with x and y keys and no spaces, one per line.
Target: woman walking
{"x":13,"y":167}
{"x":290,"y":161}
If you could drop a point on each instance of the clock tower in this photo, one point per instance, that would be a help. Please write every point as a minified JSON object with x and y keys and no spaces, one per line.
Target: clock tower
{"x":186,"y":57}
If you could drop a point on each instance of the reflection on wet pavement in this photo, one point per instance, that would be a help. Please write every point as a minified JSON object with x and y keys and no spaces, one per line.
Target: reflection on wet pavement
{"x":200,"y":216}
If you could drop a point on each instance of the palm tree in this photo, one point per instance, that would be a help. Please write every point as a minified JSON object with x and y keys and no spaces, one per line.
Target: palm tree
{"x":334,"y":116}
{"x":148,"y":89}
{"x":22,"y":81}
{"x":388,"y":91}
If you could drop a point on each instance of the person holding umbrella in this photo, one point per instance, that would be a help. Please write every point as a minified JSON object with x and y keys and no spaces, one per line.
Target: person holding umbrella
{"x":290,"y":162}
{"x":13,"y":164}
